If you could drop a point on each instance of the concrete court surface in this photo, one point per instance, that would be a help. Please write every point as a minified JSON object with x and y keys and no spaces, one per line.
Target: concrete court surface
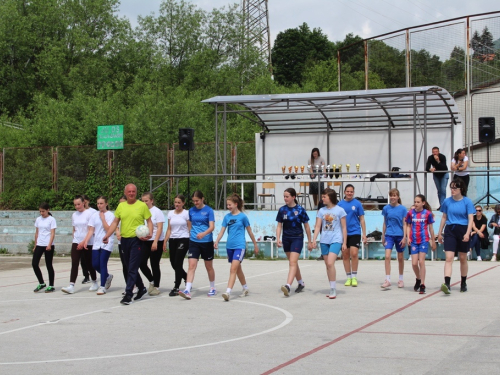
{"x":364,"y":331}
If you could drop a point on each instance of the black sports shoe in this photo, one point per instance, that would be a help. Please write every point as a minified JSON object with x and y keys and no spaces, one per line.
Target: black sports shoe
{"x":174,"y":292}
{"x":286,"y":290}
{"x":417,"y":285}
{"x":140,"y":294}
{"x":86,"y":280}
{"x":463,"y":288}
{"x":300,"y":288}
{"x":126,"y":300}
{"x":422,"y":289}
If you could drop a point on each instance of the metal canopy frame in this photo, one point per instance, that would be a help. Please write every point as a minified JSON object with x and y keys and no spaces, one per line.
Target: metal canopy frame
{"x":422,"y":108}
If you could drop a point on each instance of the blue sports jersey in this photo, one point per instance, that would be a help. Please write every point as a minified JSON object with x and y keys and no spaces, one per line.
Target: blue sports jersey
{"x":457,"y":212}
{"x":200,"y":221}
{"x":419,"y":222}
{"x":393,"y":218}
{"x":292,"y":219}
{"x":353,"y":209}
{"x":236,"y":225}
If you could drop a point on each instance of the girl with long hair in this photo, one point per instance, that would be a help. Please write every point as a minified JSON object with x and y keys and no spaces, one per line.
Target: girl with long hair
{"x":45,"y":232}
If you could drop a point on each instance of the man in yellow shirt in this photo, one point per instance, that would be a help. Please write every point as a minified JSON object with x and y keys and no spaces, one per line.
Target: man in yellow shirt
{"x":131,"y":213}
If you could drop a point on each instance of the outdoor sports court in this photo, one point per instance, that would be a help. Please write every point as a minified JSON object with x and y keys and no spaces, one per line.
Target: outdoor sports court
{"x":364,"y":331}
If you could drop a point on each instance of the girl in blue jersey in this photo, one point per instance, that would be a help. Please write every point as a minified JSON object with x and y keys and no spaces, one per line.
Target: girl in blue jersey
{"x":356,"y":226}
{"x":331,"y":223}
{"x":45,"y":232}
{"x":458,"y":215}
{"x":290,"y":219}
{"x":419,"y":222}
{"x":201,"y":243}
{"x":236,"y":222}
{"x":393,"y":234}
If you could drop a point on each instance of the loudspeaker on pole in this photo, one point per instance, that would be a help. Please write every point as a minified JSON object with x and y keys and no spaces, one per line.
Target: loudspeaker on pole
{"x":186,"y":139}
{"x":486,"y":129}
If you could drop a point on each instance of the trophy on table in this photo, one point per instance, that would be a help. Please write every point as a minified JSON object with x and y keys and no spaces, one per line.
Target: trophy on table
{"x":329,"y":170}
{"x":335,"y":170}
{"x":301,"y":169}
{"x":290,"y":170}
{"x":296,"y":168}
{"x":340,"y":170}
{"x":283,"y":169}
{"x":348,"y":167}
{"x":357,"y":170}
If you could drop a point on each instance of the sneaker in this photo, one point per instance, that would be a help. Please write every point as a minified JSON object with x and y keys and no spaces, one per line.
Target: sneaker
{"x":85,"y":280}
{"x":226,"y":296}
{"x":417,"y":285}
{"x":445,"y":289}
{"x":140,"y":294}
{"x":50,"y":289}
{"x":422,"y":289}
{"x":70,"y":289}
{"x":39,"y":287}
{"x":94,"y":286}
{"x":463,"y":288}
{"x":185,"y":294}
{"x":401,"y":284}
{"x":212,"y":292}
{"x":286,"y":290}
{"x":174,"y":292}
{"x":300,"y":288}
{"x":155,"y":292}
{"x":456,"y":258}
{"x":354,"y":282}
{"x":244,"y":292}
{"x":333,"y":293}
{"x":348,"y":282}
{"x":386,"y":284}
{"x":101,"y":291}
{"x":479,"y":258}
{"x":409,"y":258}
{"x":108,"y":281}
{"x":151,"y":287}
{"x":494,"y":258}
{"x":126,"y":300}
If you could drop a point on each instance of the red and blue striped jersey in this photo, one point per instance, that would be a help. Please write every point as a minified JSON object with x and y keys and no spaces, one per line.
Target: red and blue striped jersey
{"x":419,"y":222}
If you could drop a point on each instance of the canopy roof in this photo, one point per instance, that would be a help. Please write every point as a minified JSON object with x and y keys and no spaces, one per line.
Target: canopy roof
{"x":429,"y":106}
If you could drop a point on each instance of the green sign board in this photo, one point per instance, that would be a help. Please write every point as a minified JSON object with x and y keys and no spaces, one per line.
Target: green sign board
{"x":110,"y":137}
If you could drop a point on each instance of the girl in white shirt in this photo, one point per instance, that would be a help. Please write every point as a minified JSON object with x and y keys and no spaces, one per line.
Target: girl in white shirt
{"x":80,"y":221}
{"x":98,"y":226}
{"x":178,"y":231}
{"x":153,"y":247}
{"x":45,"y":232}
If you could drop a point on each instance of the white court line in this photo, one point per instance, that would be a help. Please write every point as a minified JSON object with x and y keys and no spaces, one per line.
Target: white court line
{"x":288,"y":319}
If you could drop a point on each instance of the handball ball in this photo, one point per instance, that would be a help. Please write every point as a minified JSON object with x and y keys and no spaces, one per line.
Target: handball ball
{"x":142,"y":231}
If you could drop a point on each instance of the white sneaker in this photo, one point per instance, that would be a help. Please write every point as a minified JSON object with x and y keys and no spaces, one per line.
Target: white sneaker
{"x":226,"y":296}
{"x":94,"y":286}
{"x":244,"y":292}
{"x":456,"y":258}
{"x":101,"y":291}
{"x":409,"y":258}
{"x":70,"y":289}
{"x":479,"y":259}
{"x":108,"y":281}
{"x":494,"y":258}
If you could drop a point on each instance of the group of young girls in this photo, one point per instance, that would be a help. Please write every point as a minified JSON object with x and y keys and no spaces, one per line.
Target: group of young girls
{"x":340,"y":226}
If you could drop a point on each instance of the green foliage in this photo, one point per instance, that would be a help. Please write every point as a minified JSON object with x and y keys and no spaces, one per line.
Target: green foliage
{"x":4,"y":250}
{"x":31,"y":246}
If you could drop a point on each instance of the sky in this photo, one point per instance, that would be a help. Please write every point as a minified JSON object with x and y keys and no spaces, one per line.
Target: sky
{"x":337,"y":18}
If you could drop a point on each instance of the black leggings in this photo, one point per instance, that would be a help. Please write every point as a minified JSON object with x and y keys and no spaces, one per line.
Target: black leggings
{"x":49,"y":255}
{"x":178,"y":249}
{"x":124,"y":264}
{"x":155,"y":257}
{"x":75,"y":262}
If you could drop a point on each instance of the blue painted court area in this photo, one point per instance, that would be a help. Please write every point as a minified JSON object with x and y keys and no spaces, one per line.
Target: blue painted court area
{"x":365,"y":330}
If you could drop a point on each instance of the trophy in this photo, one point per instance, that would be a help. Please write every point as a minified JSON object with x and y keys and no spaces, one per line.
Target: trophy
{"x":283,"y":169}
{"x":329,"y":170}
{"x":323,"y":171}
{"x":340,"y":170}
{"x":335,"y":170}
{"x":290,"y":170}
{"x":357,"y":170}
{"x":348,"y":166}
{"x":301,"y":169}
{"x":296,"y":169}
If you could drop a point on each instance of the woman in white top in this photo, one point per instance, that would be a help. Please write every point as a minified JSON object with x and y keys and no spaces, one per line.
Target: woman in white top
{"x":460,"y":165}
{"x":45,"y":232}
{"x":315,"y":164}
{"x":153,"y":247}
{"x":98,"y":226}
{"x":85,"y":268}
{"x":80,"y":222}
{"x":178,"y":232}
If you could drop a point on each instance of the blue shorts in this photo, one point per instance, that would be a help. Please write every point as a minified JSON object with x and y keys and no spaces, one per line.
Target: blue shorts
{"x":330,"y":248}
{"x":390,"y":241}
{"x":293,"y":245}
{"x":453,"y":238}
{"x":203,"y":249}
{"x":420,"y":248}
{"x":235,"y":254}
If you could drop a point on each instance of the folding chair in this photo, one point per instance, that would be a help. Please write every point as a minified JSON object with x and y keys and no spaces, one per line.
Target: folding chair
{"x":264,"y":195}
{"x":304,"y":194}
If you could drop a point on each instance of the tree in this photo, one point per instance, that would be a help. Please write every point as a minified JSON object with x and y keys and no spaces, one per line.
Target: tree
{"x":295,"y":48}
